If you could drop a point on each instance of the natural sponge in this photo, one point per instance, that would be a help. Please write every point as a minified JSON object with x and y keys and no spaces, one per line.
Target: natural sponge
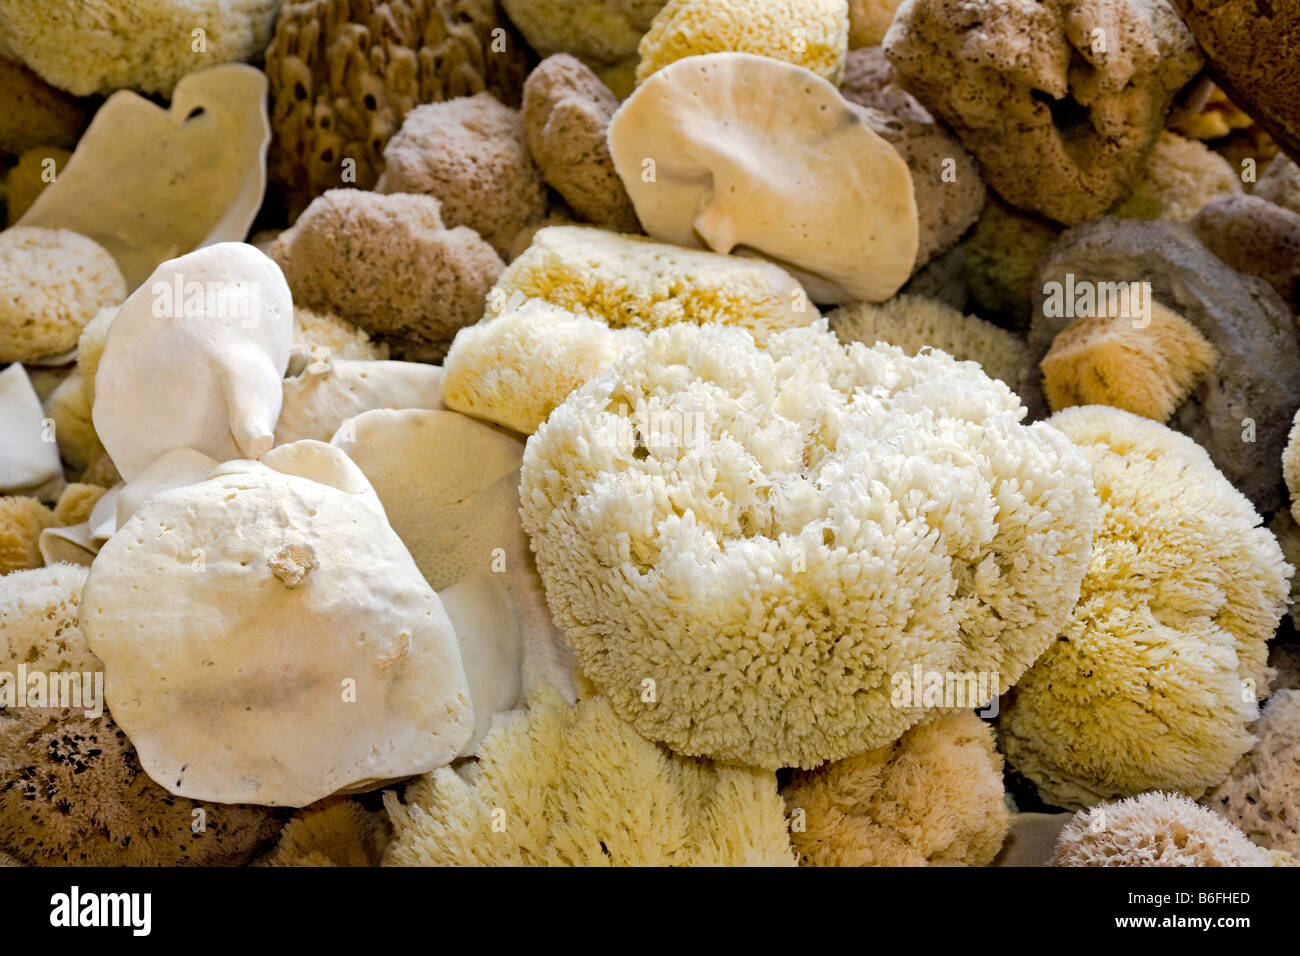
{"x":914,"y":322}
{"x":1179,"y":178}
{"x":573,"y":785}
{"x":469,"y":154}
{"x":337,"y":831}
{"x":566,"y":111}
{"x":388,"y":265}
{"x":22,"y":519}
{"x":1152,"y":683}
{"x":35,"y":170}
{"x":1262,"y":794}
{"x":1059,"y":126}
{"x":52,"y":282}
{"x":1155,"y":829}
{"x":1001,"y":256}
{"x":632,"y":282}
{"x":514,"y":369}
{"x":744,"y":543}
{"x":1109,"y":360}
{"x":933,"y":798}
{"x":145,"y":45}
{"x":33,"y":113}
{"x":71,"y":787}
{"x":811,"y":33}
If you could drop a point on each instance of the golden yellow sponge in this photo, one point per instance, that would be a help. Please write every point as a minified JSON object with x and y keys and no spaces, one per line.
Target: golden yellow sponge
{"x":1108,"y":361}
{"x":337,"y":831}
{"x":22,"y":520}
{"x":810,"y":33}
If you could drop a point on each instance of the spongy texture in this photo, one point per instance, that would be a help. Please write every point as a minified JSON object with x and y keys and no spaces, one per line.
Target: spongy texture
{"x":76,"y":502}
{"x":1256,"y":237}
{"x":29,"y":176}
{"x":1001,"y":257}
{"x":768,"y":533}
{"x":1155,"y":829}
{"x":1280,"y":183}
{"x":344,"y":74}
{"x":1262,"y":794}
{"x":99,"y":46}
{"x":632,"y":282}
{"x":71,"y":787}
{"x":566,"y":112}
{"x":387,"y":265}
{"x":33,"y":113}
{"x":70,"y":404}
{"x":1287,"y":532}
{"x":469,"y":154}
{"x":934,"y":798}
{"x":573,"y":785}
{"x":337,"y":831}
{"x":513,"y":370}
{"x":1153,"y":682}
{"x":22,"y":519}
{"x":52,"y":282}
{"x":808,"y":33}
{"x":341,"y":337}
{"x":1059,"y":125}
{"x":601,"y":33}
{"x":868,"y":21}
{"x":913,"y":322}
{"x":1105,"y":360}
{"x":1180,"y":176}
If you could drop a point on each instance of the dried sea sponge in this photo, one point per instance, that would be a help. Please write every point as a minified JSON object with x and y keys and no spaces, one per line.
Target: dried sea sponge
{"x":71,"y":787}
{"x":566,"y":113}
{"x":71,"y":402}
{"x":469,"y":154}
{"x":22,"y":519}
{"x":33,"y":113}
{"x":75,"y":504}
{"x":1180,"y":177}
{"x":767,"y":533}
{"x":1285,"y":658}
{"x":337,"y":831}
{"x":27,"y":178}
{"x":344,"y":74}
{"x":514,"y":369}
{"x":389,"y":266}
{"x":1280,"y":183}
{"x":1001,"y":259}
{"x":1156,"y":829}
{"x":634,"y":282}
{"x":52,"y":282}
{"x":914,"y":322}
{"x":1262,"y":794}
{"x":812,"y":33}
{"x":1059,"y":128}
{"x":933,"y":798}
{"x":145,"y":45}
{"x":343,"y":339}
{"x":871,"y":80}
{"x":601,"y":33}
{"x":1153,"y":681}
{"x":868,"y":21}
{"x":573,"y":785}
{"x":1107,"y":360}
{"x":1256,"y":237}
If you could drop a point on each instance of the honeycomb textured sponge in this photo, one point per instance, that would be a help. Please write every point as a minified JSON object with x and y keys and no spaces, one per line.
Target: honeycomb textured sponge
{"x":388,"y":265}
{"x":146,"y":45}
{"x":71,"y":787}
{"x":513,"y":370}
{"x":344,"y":74}
{"x":808,"y":33}
{"x":1262,"y":794}
{"x":52,"y":282}
{"x":1155,"y":829}
{"x":934,"y":798}
{"x":567,"y":110}
{"x":573,"y":785}
{"x":766,"y":534}
{"x":1153,"y":682}
{"x":469,"y":154}
{"x":914,"y":322}
{"x":343,"y":339}
{"x":1148,"y":371}
{"x":633,"y":282}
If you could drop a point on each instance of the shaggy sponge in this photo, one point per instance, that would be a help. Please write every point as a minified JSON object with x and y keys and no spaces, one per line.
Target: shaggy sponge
{"x":934,"y":798}
{"x":1262,"y":794}
{"x":388,"y":265}
{"x":22,"y":519}
{"x":573,"y":785}
{"x":811,"y":33}
{"x":52,"y":282}
{"x":469,"y":154}
{"x":1179,"y":178}
{"x":914,"y":322}
{"x":1153,"y":681}
{"x":336,"y":831}
{"x":1148,"y":371}
{"x":1156,"y":829}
